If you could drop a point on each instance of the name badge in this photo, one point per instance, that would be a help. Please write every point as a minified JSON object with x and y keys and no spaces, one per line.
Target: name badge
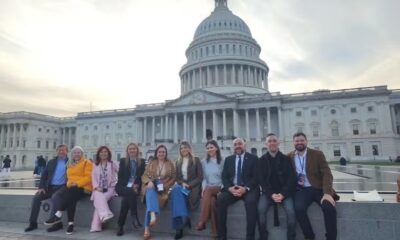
{"x":301,"y":179}
{"x":160,"y":185}
{"x":130,"y":182}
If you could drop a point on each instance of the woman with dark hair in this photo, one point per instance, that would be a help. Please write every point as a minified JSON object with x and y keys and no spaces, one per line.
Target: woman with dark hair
{"x":157,"y":179}
{"x":211,"y":185}
{"x":185,"y":194}
{"x":79,"y":185}
{"x":131,"y":169}
{"x":104,"y":179}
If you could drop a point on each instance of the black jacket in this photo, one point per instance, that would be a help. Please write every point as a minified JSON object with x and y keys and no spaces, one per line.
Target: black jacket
{"x":124,"y":173}
{"x":249,"y":170}
{"x":285,"y":183}
{"x":48,"y":173}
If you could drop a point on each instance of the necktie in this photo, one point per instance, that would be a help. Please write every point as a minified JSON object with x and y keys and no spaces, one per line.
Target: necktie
{"x":239,"y":171}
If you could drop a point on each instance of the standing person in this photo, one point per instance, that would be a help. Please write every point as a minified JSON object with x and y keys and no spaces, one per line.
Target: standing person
{"x":41,"y":165}
{"x":79,"y":185}
{"x":129,"y":184}
{"x":211,"y":186}
{"x":157,"y":179}
{"x":52,"y":179}
{"x":314,"y":184}
{"x":104,"y":179}
{"x":239,"y":183}
{"x":185,"y":194}
{"x":7,"y":166}
{"x":277,"y":178}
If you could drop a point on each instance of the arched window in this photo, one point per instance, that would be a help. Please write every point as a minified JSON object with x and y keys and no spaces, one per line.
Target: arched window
{"x":334,"y":129}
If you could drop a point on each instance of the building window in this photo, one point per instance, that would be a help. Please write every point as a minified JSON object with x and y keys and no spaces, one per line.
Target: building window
{"x":335,"y":129}
{"x":355,"y":129}
{"x":370,"y":108}
{"x":315,"y":131}
{"x":17,"y":143}
{"x":38,"y":144}
{"x":313,"y":112}
{"x":357,"y":150}
{"x":86,"y":128}
{"x":48,"y":130}
{"x":95,"y":127}
{"x":333,"y":111}
{"x":24,"y":143}
{"x":47,"y":144}
{"x":54,"y":144}
{"x":55,"y":131}
{"x":39,"y":129}
{"x":226,"y":48}
{"x":336,"y":151}
{"x":298,"y":114}
{"x":353,"y":110}
{"x":213,"y":49}
{"x":119,"y":125}
{"x":375,"y":150}
{"x":372,"y":128}
{"x":107,"y":127}
{"x":220,"y":49}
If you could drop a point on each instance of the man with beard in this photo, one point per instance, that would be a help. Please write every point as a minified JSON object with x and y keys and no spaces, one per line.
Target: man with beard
{"x":239,"y":182}
{"x":277,"y":178}
{"x":314,"y":184}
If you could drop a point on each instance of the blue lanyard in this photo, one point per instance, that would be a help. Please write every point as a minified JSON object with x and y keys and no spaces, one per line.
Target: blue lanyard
{"x":302,"y":163}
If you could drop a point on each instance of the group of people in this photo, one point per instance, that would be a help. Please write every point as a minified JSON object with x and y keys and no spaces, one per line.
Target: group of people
{"x":294,"y":181}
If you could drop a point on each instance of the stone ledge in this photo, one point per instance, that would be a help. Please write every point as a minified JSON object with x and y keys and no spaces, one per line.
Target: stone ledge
{"x":356,"y":220}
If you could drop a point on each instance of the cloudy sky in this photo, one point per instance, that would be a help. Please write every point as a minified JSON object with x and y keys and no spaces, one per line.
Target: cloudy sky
{"x":60,"y":57}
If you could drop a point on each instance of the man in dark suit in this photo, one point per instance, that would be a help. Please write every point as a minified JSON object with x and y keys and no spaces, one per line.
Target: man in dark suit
{"x":53,"y":178}
{"x":314,"y":184}
{"x":239,"y":183}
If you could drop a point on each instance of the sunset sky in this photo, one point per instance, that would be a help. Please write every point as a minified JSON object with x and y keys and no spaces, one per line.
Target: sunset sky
{"x":60,"y":57}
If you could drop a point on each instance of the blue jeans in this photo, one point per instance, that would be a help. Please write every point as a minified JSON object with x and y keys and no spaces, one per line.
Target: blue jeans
{"x":179,"y":208}
{"x":264,"y":204}
{"x":151,"y":205}
{"x":303,"y":200}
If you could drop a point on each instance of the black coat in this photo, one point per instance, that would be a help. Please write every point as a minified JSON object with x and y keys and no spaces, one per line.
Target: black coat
{"x":48,"y":173}
{"x":249,"y":170}
{"x":7,"y":163}
{"x":124,"y":174}
{"x":285,"y":183}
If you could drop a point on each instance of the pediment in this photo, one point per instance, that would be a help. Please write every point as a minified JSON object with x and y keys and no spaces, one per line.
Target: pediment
{"x":198,"y":97}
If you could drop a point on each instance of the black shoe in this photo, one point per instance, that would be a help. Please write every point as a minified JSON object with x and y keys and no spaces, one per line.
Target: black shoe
{"x":188,"y":223}
{"x":70,"y":229}
{"x":120,"y":231}
{"x":136,"y":219}
{"x":32,"y":226}
{"x":178,"y":234}
{"x":55,"y":227}
{"x":53,"y":220}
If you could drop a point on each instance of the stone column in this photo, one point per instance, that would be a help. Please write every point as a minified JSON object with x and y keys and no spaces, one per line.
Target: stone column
{"x":204,"y":127}
{"x":166,"y":127}
{"x":214,"y":124}
{"x":225,"y":75}
{"x":258,"y":124}
{"x":14,"y":141}
{"x":176,"y":128}
{"x":185,"y":126}
{"x":235,"y":123}
{"x":241,"y":80}
{"x":281,"y":135}
{"x":393,"y":117}
{"x":153,"y":130}
{"x":208,"y":76}
{"x":1,"y":136}
{"x":224,"y":122}
{"x":216,"y":75}
{"x":269,"y":120}
{"x":265,"y":80}
{"x":233,"y":77}
{"x":247,"y":125}
{"x":144,"y":131}
{"x":194,"y":140}
{"x":200,"y":78}
{"x":162,"y":127}
{"x":69,"y":138}
{"x":8,"y":142}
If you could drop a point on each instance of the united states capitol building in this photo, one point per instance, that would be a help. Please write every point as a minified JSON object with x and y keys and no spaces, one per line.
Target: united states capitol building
{"x":224,"y":93}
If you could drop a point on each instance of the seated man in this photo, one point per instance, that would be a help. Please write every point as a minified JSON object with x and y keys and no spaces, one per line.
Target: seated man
{"x":277,"y":178}
{"x":239,"y":183}
{"x":314,"y":184}
{"x":52,"y":179}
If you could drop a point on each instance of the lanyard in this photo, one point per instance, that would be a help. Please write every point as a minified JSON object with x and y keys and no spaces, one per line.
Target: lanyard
{"x":160,"y":169}
{"x":302,"y":162}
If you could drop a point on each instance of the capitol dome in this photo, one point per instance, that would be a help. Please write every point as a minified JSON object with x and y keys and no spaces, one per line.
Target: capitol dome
{"x":223,"y":56}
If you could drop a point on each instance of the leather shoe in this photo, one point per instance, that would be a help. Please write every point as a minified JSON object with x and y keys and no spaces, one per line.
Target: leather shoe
{"x":55,"y":227}
{"x":32,"y":226}
{"x":178,"y":234}
{"x":120,"y":231}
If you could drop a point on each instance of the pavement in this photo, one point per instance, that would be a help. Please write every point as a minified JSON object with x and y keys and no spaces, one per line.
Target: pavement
{"x":11,"y":231}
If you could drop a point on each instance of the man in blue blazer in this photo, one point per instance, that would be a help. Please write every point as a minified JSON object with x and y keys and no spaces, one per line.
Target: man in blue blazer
{"x":239,"y":183}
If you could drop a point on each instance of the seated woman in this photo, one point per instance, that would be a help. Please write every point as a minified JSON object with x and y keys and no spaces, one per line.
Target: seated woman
{"x":211,"y":185}
{"x":104,"y":179}
{"x":79,"y":185}
{"x":157,"y":179}
{"x":129,"y":184}
{"x":185,"y":194}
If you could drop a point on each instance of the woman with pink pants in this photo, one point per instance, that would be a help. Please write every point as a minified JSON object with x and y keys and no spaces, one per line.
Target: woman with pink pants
{"x":104,"y":179}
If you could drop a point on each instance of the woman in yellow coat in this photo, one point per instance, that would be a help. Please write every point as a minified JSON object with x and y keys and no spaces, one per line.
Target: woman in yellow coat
{"x":157,"y":180}
{"x":79,"y":185}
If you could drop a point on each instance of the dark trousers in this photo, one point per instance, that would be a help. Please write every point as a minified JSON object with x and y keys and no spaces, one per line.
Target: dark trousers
{"x":225,"y":198}
{"x":129,"y":201}
{"x":37,"y":201}
{"x":66,"y":199}
{"x":303,"y":200}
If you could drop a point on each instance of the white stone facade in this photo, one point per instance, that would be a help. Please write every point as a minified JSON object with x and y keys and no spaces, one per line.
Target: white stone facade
{"x":224,"y":93}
